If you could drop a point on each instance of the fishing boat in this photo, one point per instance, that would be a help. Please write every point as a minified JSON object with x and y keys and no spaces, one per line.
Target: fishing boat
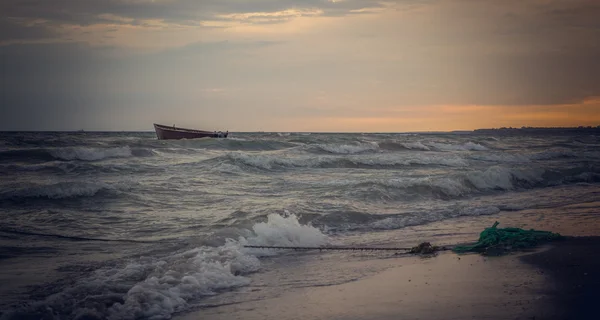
{"x":174,"y":133}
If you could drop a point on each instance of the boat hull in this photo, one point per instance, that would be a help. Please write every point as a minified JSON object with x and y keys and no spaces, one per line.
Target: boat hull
{"x":175,"y":133}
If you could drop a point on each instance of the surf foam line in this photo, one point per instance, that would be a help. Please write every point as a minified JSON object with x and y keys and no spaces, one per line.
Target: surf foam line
{"x":156,"y":287}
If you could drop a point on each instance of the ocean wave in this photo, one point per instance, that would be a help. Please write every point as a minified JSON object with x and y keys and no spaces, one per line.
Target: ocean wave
{"x":231,"y":143}
{"x":90,"y":154}
{"x":500,"y":157}
{"x":70,"y":167}
{"x":158,"y":287}
{"x":551,"y":154}
{"x":397,"y":146}
{"x":60,"y":190}
{"x":469,"y":146}
{"x":278,"y":160}
{"x":405,"y":188}
{"x":415,"y":146}
{"x":501,"y":178}
{"x":555,"y":153}
{"x":348,"y":220}
{"x":25,"y":155}
{"x":495,"y":178}
{"x":74,"y":153}
{"x":348,"y":148}
{"x":592,"y":154}
{"x":51,"y":166}
{"x":407,"y":220}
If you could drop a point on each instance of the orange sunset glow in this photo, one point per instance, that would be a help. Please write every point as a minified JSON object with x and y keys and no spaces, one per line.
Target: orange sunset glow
{"x":356,"y":66}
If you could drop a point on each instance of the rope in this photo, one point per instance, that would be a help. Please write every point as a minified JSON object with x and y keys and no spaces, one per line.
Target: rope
{"x":339,"y":248}
{"x":491,"y":238}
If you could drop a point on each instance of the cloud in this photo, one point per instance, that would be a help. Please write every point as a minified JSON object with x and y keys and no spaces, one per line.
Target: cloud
{"x":134,"y":12}
{"x":17,"y":29}
{"x":293,"y":58}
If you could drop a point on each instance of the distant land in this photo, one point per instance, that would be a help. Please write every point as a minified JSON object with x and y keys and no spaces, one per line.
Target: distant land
{"x":540,"y":130}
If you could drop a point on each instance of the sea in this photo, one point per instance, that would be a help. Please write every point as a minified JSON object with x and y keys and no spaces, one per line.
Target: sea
{"x":120,"y":225}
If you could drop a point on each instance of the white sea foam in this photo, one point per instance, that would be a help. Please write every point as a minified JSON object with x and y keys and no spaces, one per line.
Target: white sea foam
{"x":415,"y":146}
{"x":285,"y":231}
{"x":90,"y":154}
{"x":177,"y":279}
{"x":349,"y":148}
{"x":157,"y":287}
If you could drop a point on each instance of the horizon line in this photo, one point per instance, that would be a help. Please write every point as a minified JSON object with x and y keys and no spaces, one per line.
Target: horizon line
{"x":335,"y":132}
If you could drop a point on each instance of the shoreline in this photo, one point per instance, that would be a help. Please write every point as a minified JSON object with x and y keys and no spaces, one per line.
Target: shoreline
{"x":553,"y":282}
{"x":446,"y":286}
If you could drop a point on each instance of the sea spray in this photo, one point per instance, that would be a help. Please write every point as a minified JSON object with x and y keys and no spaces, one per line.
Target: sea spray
{"x":157,"y":287}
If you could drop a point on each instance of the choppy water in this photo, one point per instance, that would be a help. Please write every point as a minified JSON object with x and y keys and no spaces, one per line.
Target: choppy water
{"x":123,"y":226}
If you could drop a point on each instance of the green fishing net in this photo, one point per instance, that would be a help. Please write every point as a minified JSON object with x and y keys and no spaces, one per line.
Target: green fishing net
{"x":506,"y":239}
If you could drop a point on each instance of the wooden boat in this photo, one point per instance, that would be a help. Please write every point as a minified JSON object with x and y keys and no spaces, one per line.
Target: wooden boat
{"x":174,"y":133}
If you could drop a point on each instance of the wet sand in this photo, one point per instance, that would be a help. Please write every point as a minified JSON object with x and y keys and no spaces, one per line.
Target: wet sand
{"x":558,"y":281}
{"x":555,"y":282}
{"x":444,"y":287}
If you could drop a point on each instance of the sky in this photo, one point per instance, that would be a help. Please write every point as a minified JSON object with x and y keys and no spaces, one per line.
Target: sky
{"x":299,"y":65}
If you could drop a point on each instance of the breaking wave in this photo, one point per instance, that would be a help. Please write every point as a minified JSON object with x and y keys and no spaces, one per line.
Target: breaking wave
{"x":430,"y":146}
{"x":275,"y":161}
{"x":415,"y":146}
{"x":158,"y":287}
{"x":495,"y":178}
{"x":348,"y":148}
{"x":68,"y":181}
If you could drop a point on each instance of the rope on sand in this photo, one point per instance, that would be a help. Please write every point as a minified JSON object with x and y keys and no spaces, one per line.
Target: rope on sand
{"x":492,"y":241}
{"x":424,"y":247}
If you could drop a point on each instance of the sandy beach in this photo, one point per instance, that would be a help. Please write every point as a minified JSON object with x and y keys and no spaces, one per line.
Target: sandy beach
{"x":558,"y":282}
{"x":555,"y":281}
